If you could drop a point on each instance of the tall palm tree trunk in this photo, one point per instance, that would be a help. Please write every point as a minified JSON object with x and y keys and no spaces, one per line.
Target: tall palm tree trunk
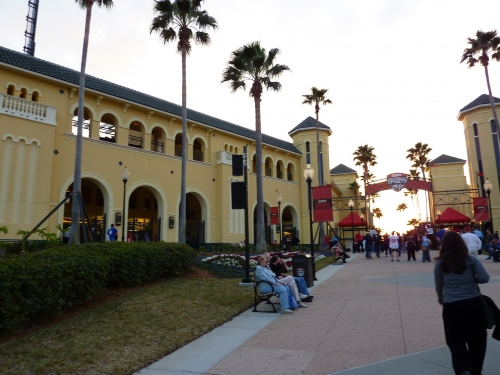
{"x":74,"y":235}
{"x":182,"y":208}
{"x":321,"y":181}
{"x":365,"y":175}
{"x":492,"y":102}
{"x":260,"y":232}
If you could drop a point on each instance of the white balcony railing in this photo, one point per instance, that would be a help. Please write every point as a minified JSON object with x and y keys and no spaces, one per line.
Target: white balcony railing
{"x":224,"y":157}
{"x":34,"y":111}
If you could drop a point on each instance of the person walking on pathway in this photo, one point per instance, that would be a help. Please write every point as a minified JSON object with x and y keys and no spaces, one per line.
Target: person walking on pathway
{"x":472,"y":242}
{"x":394,"y":246}
{"x":464,"y":316}
{"x":368,"y":245}
{"x":411,"y":246}
{"x":426,"y":243}
{"x":377,"y":243}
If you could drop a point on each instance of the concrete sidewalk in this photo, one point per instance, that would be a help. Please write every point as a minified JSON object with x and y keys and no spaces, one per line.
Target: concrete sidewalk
{"x":368,"y":317}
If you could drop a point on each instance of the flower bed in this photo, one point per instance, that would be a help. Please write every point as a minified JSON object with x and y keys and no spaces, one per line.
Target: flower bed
{"x":233,"y":265}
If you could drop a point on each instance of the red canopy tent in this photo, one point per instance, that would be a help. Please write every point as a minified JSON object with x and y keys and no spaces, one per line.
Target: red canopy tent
{"x":352,"y":220}
{"x":452,"y":216}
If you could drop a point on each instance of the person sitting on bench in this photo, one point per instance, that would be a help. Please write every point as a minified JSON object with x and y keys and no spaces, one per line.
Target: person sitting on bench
{"x":279,"y":267}
{"x":262,"y":273}
{"x":338,"y":252}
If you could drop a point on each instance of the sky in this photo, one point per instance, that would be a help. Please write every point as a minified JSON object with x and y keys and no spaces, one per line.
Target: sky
{"x":392,"y":68}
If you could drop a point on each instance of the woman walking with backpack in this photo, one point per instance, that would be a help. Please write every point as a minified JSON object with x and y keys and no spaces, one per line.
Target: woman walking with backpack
{"x":464,"y":316}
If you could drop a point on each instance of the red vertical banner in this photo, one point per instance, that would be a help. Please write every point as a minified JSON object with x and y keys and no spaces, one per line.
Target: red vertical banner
{"x":275,"y":216}
{"x":322,"y":203}
{"x":481,"y":212}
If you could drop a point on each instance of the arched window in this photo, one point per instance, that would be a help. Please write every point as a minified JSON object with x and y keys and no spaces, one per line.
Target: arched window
{"x":85,"y":125}
{"x":231,"y":149}
{"x":11,"y":90}
{"x":35,"y":96}
{"x":289,"y":172}
{"x":23,"y":93}
{"x":107,"y":128}
{"x":236,"y":150}
{"x":269,"y":167}
{"x":254,"y":164}
{"x":178,"y":145}
{"x":157,"y":140}
{"x":308,"y":155}
{"x":279,"y":169}
{"x":135,"y":135}
{"x":197,"y":150}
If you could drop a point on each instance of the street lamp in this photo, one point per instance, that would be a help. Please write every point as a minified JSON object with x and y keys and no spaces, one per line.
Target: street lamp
{"x":279,"y":221}
{"x":351,"y":205}
{"x":488,"y":186}
{"x":125,"y":176}
{"x":309,"y":175}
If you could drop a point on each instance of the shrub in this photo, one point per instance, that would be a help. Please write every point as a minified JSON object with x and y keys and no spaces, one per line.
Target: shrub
{"x":39,"y":285}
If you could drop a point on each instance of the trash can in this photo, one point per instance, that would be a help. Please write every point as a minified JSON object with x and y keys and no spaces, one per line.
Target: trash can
{"x":302,"y":265}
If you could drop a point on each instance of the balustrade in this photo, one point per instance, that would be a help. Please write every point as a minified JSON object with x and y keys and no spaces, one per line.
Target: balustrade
{"x":18,"y":107}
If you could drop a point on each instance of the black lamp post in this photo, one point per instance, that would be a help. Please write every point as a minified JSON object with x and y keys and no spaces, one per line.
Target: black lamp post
{"x":488,"y":186}
{"x":351,"y":205}
{"x":125,"y":176}
{"x":309,"y":175}
{"x":279,"y":221}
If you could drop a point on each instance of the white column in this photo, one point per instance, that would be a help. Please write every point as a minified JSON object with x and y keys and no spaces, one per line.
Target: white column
{"x":4,"y":183}
{"x":18,"y":180}
{"x":30,"y":186}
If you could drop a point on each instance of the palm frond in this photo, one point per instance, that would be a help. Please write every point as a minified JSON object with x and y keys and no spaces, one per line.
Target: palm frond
{"x":202,"y":38}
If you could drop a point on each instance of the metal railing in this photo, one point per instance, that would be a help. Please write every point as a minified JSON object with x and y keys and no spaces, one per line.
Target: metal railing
{"x":198,"y":155}
{"x":157,"y":146}
{"x":134,"y":141}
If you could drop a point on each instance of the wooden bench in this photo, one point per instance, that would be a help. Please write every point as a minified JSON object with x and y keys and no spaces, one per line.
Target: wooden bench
{"x":259,"y":297}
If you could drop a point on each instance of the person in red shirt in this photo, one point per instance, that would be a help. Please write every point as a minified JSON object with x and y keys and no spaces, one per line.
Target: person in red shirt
{"x":358,"y":240}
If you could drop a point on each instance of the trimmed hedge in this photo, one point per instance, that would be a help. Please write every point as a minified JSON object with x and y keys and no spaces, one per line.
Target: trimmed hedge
{"x":43,"y":284}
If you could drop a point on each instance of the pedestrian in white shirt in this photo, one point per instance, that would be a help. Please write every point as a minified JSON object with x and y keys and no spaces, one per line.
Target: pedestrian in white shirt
{"x":472,"y":241}
{"x":394,"y":246}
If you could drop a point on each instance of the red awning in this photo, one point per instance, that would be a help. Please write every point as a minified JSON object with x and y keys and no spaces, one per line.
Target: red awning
{"x":452,"y":216}
{"x":352,"y":221}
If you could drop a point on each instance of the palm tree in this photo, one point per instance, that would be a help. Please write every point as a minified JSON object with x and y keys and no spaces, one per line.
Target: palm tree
{"x":413,"y":222}
{"x":365,"y":157}
{"x":419,"y":156}
{"x":485,"y":43}
{"x":317,"y":97}
{"x":182,"y":19}
{"x":354,"y":186}
{"x":74,"y":235}
{"x":254,"y":64}
{"x":401,"y":207}
{"x":377,"y":212}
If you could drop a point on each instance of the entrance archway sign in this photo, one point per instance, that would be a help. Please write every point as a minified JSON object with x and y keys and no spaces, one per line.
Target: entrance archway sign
{"x":397,"y":182}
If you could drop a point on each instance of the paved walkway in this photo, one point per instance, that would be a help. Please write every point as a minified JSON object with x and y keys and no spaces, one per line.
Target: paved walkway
{"x":368,"y":317}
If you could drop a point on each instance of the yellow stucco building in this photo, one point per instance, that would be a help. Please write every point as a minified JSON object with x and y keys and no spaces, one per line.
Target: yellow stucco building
{"x":483,"y":154}
{"x":123,"y":127}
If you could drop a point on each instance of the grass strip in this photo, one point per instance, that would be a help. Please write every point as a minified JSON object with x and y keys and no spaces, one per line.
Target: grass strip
{"x":128,"y":333}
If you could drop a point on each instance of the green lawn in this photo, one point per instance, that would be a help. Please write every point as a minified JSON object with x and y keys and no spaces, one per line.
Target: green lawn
{"x":130,"y":332}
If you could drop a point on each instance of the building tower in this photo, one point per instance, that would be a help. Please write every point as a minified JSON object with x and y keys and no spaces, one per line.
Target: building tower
{"x":29,"y":34}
